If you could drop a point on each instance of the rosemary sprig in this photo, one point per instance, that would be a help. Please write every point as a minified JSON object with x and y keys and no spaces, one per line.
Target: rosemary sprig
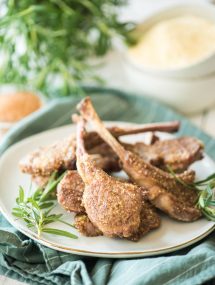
{"x":206,"y":201}
{"x":206,"y":193}
{"x":36,"y":210}
{"x":57,"y":38}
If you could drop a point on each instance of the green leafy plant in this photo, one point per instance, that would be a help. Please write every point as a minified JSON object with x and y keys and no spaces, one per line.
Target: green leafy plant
{"x":47,"y":44}
{"x":206,"y":191}
{"x":36,"y":210}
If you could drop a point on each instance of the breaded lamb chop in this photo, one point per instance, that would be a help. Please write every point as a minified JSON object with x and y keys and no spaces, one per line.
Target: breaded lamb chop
{"x":70,"y":191}
{"x":163,"y":190}
{"x":45,"y":160}
{"x":149,"y":221}
{"x":177,"y":153}
{"x":61,"y":154}
{"x":69,"y":194}
{"x":113,"y":206}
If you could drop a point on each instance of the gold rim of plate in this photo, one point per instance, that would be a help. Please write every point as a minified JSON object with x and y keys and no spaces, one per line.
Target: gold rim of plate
{"x":113,"y":254}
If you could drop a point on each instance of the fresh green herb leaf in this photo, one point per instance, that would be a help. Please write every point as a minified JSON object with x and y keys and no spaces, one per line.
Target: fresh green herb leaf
{"x":209,"y":178}
{"x":16,"y":214}
{"x":68,"y":224}
{"x":177,"y":178}
{"x":59,"y":233}
{"x":37,"y":193}
{"x":201,"y":201}
{"x":21,"y":195}
{"x":46,"y":205}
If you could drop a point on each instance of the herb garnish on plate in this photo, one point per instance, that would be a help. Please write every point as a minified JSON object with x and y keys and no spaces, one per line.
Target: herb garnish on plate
{"x":206,"y":191}
{"x":36,"y":209}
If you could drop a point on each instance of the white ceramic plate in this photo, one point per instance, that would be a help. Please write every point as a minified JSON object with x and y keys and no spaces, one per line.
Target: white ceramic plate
{"x":171,"y":236}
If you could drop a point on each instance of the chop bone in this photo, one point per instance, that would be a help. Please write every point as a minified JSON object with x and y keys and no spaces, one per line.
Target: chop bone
{"x":92,"y":139}
{"x":164,"y":191}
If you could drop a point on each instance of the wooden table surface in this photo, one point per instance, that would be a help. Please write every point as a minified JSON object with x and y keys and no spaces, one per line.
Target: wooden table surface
{"x":205,"y":120}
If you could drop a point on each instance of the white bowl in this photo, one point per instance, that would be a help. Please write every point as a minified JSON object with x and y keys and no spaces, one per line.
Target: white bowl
{"x":186,"y":95}
{"x":189,"y":89}
{"x":200,"y":68}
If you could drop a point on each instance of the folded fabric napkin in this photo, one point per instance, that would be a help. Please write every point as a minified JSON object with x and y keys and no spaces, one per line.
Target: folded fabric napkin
{"x":23,"y":259}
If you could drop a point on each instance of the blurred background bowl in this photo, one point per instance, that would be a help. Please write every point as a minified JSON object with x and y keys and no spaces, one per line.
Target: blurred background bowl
{"x":186,"y":95}
{"x":204,"y":66}
{"x":16,"y":103}
{"x":190,"y":88}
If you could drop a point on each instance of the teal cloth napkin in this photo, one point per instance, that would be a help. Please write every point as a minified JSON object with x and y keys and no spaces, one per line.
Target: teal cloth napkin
{"x":23,"y":259}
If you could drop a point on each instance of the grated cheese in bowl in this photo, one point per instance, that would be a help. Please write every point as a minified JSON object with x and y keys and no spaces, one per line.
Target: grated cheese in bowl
{"x":175,"y":43}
